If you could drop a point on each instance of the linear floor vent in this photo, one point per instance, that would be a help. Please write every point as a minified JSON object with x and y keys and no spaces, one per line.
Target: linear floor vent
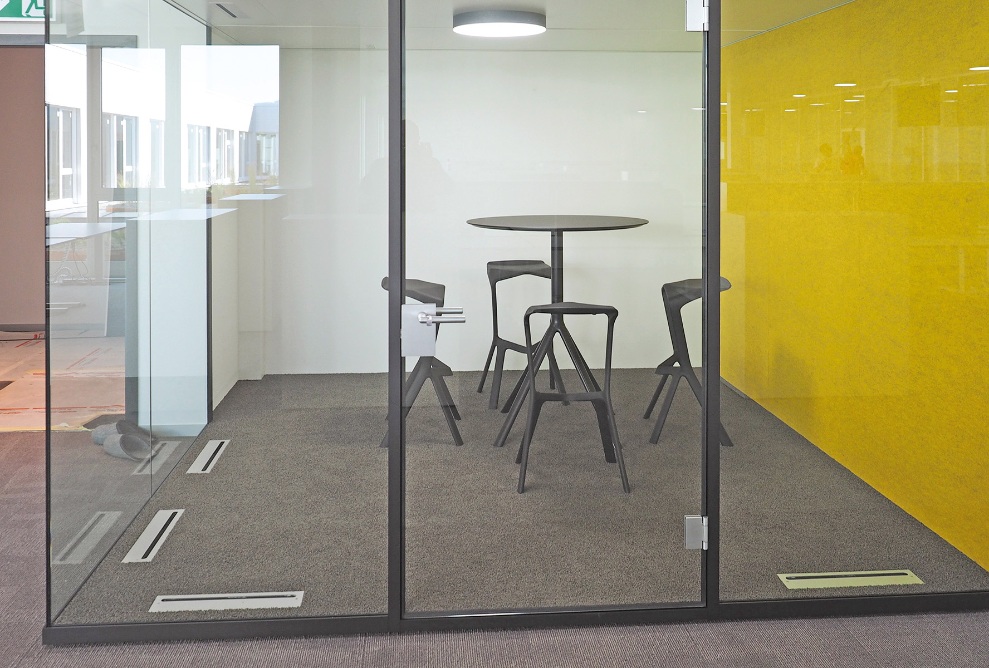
{"x":153,"y":537}
{"x":244,"y":601}
{"x":160,"y":452}
{"x":88,"y":537}
{"x":207,"y":458}
{"x":849,"y":579}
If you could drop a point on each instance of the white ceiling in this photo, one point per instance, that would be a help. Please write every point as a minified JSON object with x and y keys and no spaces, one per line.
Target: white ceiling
{"x":586,"y":25}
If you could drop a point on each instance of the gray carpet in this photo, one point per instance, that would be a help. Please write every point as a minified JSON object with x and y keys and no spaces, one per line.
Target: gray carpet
{"x":921,"y":641}
{"x":86,"y":480}
{"x":298,"y":502}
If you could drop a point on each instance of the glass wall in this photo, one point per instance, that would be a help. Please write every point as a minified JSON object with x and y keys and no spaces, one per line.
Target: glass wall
{"x":569,"y":157}
{"x":127,"y":285}
{"x":216,"y":201}
{"x":855,"y":160}
{"x":218,"y":217}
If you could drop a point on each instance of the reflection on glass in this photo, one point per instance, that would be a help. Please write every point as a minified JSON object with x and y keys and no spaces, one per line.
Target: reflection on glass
{"x":207,"y":221}
{"x":854,"y":231}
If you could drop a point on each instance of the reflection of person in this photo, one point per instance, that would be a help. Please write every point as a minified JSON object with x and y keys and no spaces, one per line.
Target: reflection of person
{"x":826,"y":162}
{"x":427,"y":184}
{"x":853,"y":162}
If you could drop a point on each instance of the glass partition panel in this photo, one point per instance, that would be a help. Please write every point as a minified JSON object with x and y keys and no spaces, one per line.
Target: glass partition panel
{"x":589,"y":137}
{"x":242,"y":187}
{"x":855,"y":161}
{"x":113,"y":435}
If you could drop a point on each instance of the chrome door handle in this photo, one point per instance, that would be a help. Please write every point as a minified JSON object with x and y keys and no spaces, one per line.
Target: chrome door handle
{"x":419,"y":323}
{"x":441,"y":315}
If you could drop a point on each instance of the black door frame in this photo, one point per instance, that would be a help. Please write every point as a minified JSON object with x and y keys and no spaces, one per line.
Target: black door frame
{"x":710,"y":607}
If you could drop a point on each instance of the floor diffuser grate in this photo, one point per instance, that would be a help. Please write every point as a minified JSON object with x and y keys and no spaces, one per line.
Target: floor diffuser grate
{"x":160,"y":453}
{"x":242,"y":601}
{"x":208,"y":457}
{"x":849,"y":579}
{"x":153,"y":537}
{"x":89,"y":536}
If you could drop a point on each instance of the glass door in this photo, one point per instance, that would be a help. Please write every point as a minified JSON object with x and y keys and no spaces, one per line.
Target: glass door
{"x":557,"y":174}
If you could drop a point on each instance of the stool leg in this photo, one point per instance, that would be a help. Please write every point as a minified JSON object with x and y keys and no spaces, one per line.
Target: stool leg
{"x":618,"y":447}
{"x":514,"y":406}
{"x":725,"y":440}
{"x":695,"y":385}
{"x":443,"y":394}
{"x":662,"y":382}
{"x":452,"y":424}
{"x":446,"y":404}
{"x":655,"y":396}
{"x":658,"y":429}
{"x":499,"y":369}
{"x":580,"y":364}
{"x":554,"y":372}
{"x":487,"y":363}
{"x":518,"y":455}
{"x":412,"y":387}
{"x":605,"y":428}
{"x":530,"y":428}
{"x":515,"y":392}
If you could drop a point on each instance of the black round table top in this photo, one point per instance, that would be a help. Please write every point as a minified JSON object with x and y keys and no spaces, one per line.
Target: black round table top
{"x":558,"y":223}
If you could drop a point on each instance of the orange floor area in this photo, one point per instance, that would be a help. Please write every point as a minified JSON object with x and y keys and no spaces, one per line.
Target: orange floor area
{"x":87,"y":381}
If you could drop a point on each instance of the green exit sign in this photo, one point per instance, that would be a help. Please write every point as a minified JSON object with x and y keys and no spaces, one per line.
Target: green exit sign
{"x":22,"y":9}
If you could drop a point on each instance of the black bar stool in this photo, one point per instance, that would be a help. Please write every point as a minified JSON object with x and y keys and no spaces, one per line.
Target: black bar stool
{"x":502,"y":270}
{"x":599,"y":396}
{"x":676,"y":366}
{"x":429,"y":368}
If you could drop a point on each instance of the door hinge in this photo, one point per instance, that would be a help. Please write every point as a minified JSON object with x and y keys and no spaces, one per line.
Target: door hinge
{"x":695,"y":532}
{"x":697,"y":16}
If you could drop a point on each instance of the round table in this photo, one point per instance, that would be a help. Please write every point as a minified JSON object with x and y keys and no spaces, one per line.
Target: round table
{"x":556,"y":226}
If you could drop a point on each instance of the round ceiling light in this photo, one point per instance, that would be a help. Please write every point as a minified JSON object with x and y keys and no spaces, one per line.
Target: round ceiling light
{"x":499,"y":23}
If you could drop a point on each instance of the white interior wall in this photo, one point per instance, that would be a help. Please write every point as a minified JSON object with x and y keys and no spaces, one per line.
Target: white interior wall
{"x":499,"y":133}
{"x":326,"y":257}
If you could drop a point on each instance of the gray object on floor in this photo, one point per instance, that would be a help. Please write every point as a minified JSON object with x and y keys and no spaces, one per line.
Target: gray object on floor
{"x":102,"y":432}
{"x":599,"y":396}
{"x":676,"y":366}
{"x":503,"y":270}
{"x":127,"y":446}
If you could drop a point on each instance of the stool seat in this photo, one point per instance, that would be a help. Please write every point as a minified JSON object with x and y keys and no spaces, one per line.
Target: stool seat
{"x":500,"y":270}
{"x":574,"y":308}
{"x":676,"y":295}
{"x":421,"y":291}
{"x":681,"y":293}
{"x":598,"y":395}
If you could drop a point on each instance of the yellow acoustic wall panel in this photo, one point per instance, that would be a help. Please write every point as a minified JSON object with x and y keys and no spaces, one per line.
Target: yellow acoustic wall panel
{"x":856,"y":234}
